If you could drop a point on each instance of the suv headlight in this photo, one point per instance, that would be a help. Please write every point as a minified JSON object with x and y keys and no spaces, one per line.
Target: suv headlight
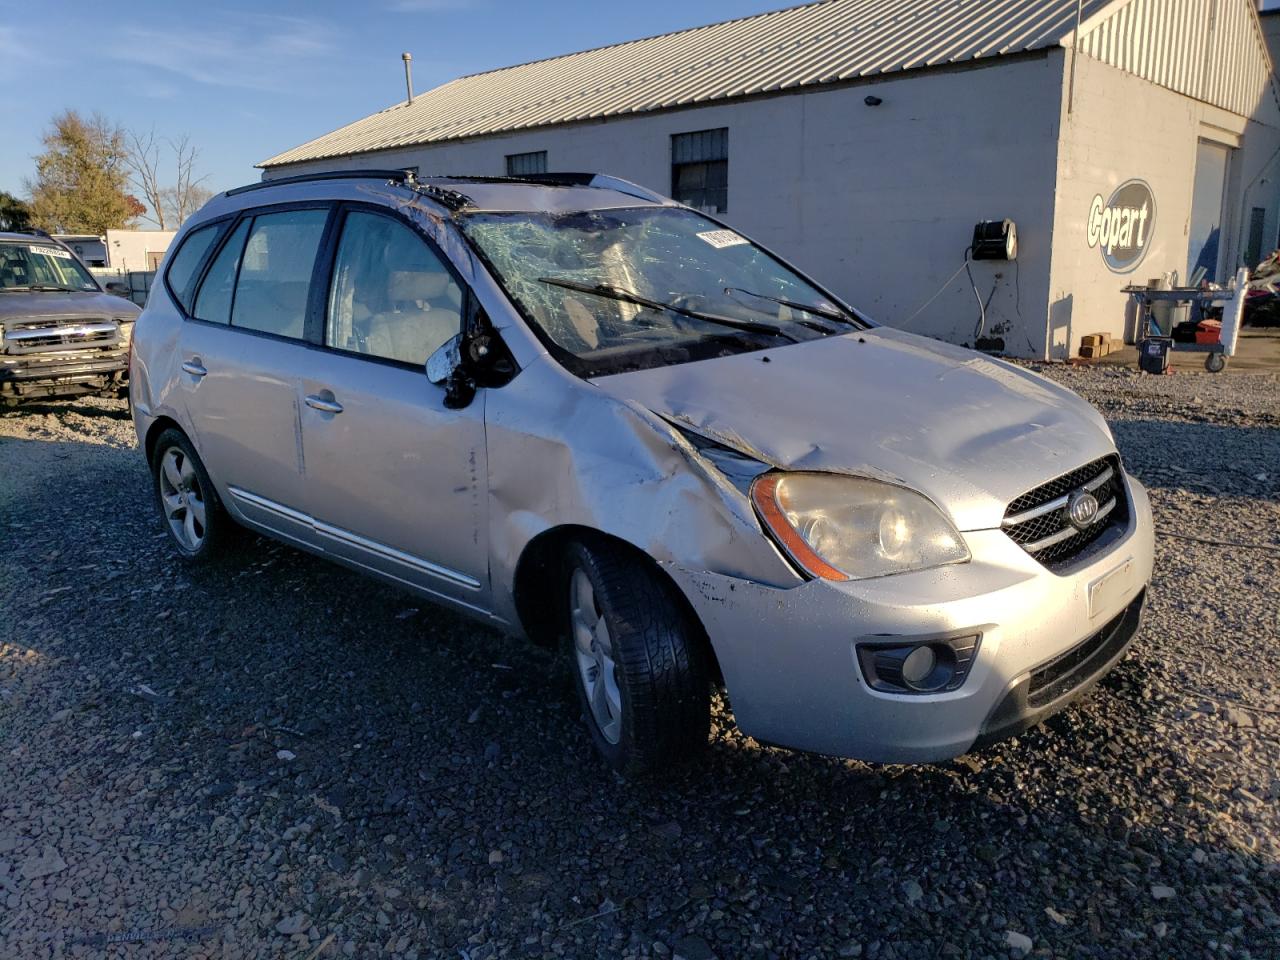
{"x":851,"y":528}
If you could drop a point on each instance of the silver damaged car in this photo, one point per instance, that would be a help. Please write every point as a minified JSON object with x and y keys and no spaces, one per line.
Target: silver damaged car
{"x":586,"y":415}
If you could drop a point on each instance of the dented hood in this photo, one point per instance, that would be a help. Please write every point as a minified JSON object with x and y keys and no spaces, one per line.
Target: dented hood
{"x":969,"y":432}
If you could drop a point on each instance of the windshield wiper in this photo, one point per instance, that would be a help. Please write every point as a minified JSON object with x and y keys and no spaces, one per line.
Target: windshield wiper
{"x":43,"y":288}
{"x":796,"y":305}
{"x":611,"y":292}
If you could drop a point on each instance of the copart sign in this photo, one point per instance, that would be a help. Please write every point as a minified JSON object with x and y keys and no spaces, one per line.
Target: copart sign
{"x":1122,"y":226}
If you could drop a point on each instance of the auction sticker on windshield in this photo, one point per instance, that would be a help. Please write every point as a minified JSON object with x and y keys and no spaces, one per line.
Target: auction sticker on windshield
{"x":52,"y":252}
{"x":721,"y":238}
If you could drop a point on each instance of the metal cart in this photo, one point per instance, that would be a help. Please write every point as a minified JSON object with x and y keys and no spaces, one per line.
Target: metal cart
{"x":1232,"y":299}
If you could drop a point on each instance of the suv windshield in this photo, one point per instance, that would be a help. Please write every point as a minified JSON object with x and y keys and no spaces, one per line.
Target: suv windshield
{"x":627,"y":289}
{"x":41,"y":266}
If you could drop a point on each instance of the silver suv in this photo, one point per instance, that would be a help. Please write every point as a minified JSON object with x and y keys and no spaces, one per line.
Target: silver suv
{"x":582,"y":413}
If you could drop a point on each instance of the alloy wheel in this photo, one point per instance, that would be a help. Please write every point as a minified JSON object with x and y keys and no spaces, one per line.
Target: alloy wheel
{"x":593,"y":652}
{"x":183,"y":498}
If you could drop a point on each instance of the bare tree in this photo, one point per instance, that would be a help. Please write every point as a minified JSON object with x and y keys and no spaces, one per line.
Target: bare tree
{"x":188,"y":194}
{"x":178,"y":206}
{"x":170,"y":204}
{"x":142,"y":157}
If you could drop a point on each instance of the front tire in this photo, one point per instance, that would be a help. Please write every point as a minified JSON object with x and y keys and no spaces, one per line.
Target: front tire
{"x":193,"y":515}
{"x":638,"y":662}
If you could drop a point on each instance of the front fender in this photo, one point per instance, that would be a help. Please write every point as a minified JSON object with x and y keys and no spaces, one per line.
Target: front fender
{"x":564,"y":453}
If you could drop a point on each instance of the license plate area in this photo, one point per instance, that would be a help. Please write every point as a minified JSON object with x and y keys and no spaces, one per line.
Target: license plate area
{"x":1108,"y":590}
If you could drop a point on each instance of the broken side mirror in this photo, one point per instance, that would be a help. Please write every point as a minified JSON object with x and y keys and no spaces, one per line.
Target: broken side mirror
{"x":446,"y":359}
{"x":446,"y":368}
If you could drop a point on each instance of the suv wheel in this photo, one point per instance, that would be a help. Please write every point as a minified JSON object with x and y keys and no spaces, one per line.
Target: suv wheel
{"x":639,"y":663}
{"x":192,"y":513}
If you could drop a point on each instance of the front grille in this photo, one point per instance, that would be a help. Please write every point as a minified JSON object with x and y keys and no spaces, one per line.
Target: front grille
{"x":57,"y":335}
{"x":1038,"y":520}
{"x":1064,"y":673}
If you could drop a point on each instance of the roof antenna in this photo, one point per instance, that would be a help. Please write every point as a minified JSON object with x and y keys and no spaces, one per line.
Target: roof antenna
{"x":408,"y":73}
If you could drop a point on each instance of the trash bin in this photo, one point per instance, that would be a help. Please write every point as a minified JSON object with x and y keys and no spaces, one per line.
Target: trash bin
{"x":1153,"y":354}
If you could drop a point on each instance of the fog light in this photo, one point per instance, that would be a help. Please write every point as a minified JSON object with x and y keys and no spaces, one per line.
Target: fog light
{"x":918,"y":665}
{"x":922,"y":666}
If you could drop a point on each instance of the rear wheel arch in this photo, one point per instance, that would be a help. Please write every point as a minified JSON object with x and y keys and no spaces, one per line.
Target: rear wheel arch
{"x":540,"y":574}
{"x":159,"y":426}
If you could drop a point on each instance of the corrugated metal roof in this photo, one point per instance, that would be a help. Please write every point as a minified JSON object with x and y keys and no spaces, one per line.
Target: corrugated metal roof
{"x":825,"y":42}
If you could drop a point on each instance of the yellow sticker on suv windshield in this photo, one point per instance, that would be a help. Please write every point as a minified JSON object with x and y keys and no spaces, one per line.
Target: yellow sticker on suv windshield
{"x":722,"y":238}
{"x":52,"y":252}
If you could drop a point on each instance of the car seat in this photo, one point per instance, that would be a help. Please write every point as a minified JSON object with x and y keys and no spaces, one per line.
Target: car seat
{"x":424,"y":311}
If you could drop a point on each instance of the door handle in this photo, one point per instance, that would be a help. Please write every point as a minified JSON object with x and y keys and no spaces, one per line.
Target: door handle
{"x":327,"y":404}
{"x":194,"y":367}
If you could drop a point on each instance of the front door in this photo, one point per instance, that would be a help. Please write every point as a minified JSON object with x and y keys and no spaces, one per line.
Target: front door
{"x":242,"y":357}
{"x":395,"y":481}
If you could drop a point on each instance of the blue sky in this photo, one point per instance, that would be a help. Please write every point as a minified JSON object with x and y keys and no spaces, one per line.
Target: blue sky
{"x":247,"y":80}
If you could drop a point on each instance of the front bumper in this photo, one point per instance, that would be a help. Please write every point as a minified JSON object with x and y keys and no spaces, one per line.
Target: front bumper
{"x":56,"y":374}
{"x":789,"y":662}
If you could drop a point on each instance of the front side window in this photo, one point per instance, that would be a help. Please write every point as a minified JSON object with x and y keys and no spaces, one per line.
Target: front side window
{"x":41,"y":266}
{"x":700,"y":169}
{"x":275,"y":273}
{"x":213,"y":302}
{"x":391,"y":296}
{"x":625,"y":289}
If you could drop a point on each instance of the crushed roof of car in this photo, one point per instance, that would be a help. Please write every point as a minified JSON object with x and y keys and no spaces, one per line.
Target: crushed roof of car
{"x":819,"y":43}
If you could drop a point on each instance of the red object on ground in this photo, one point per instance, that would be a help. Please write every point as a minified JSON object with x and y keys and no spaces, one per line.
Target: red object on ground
{"x":1208,"y":331}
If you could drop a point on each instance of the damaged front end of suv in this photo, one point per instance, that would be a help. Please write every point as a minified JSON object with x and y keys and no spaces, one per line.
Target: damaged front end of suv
{"x":61,"y":334}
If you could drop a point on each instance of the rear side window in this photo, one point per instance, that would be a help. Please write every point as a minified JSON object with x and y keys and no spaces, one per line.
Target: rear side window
{"x":213,"y":303}
{"x":182,"y":268}
{"x":275,"y":274}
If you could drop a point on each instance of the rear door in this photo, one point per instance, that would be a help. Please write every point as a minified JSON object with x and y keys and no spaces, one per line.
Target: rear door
{"x":243,"y":353}
{"x":395,"y":481}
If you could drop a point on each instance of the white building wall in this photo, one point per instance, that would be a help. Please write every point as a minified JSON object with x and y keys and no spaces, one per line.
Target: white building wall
{"x":878,"y":203}
{"x":136,"y":249}
{"x":1119,"y":128}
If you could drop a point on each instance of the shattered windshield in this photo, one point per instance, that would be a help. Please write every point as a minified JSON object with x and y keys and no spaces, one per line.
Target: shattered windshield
{"x":628,"y":289}
{"x":41,"y":266}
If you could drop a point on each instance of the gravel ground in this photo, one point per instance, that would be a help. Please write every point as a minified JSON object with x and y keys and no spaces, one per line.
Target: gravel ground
{"x":269,"y":758}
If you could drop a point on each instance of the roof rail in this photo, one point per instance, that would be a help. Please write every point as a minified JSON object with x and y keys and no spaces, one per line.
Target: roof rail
{"x":538,"y":179}
{"x":400,"y":175}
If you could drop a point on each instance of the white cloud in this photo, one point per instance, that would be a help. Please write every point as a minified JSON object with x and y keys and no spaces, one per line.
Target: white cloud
{"x":252,"y":51}
{"x":428,"y":6}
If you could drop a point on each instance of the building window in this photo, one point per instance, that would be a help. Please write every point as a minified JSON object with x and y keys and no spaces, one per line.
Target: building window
{"x":700,"y":169}
{"x":526,"y":164}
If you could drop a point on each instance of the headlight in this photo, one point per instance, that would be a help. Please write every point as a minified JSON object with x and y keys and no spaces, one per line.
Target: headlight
{"x":850,"y":528}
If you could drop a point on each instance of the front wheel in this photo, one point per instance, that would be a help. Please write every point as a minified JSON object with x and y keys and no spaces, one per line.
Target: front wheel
{"x":639,"y":663}
{"x":1215,"y":362}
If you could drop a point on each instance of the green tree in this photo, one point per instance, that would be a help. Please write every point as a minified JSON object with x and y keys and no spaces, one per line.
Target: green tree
{"x":81,"y":183}
{"x":14,"y":214}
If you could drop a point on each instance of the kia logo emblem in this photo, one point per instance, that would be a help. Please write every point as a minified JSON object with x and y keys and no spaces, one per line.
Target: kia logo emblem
{"x":1122,"y":227}
{"x":1082,"y":508}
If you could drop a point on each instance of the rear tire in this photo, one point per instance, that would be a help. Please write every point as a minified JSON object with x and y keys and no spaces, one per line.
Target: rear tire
{"x":193,"y":515}
{"x":638,"y":662}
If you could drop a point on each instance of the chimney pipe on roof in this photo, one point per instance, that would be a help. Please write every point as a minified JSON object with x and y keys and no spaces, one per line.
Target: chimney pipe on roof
{"x":408,"y":73}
